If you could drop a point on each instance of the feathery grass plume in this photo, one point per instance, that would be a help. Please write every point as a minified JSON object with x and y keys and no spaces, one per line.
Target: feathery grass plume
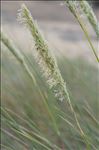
{"x":87,"y":9}
{"x":74,"y":8}
{"x":43,"y":56}
{"x":47,"y":62}
{"x":9,"y":44}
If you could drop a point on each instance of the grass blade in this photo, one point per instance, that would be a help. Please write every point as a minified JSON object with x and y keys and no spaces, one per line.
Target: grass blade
{"x":11,"y":47}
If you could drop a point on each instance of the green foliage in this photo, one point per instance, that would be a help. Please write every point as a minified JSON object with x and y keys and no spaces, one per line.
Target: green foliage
{"x":32,"y":118}
{"x":24,"y":108}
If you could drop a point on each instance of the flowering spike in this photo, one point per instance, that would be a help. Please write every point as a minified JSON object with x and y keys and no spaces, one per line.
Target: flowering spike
{"x":43,"y":56}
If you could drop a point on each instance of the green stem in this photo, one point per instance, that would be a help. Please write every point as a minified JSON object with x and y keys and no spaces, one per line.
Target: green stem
{"x":9,"y":44}
{"x":87,"y":9}
{"x":72,"y":6}
{"x":87,"y":36}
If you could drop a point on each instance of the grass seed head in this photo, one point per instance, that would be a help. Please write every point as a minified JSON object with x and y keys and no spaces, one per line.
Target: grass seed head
{"x":43,"y":55}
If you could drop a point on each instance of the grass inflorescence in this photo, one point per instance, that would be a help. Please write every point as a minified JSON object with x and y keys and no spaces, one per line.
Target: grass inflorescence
{"x":90,"y":15}
{"x":43,"y":55}
{"x":77,"y":12}
{"x":44,"y":116}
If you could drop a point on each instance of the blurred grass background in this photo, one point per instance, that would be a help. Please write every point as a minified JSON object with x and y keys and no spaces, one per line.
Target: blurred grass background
{"x":24,"y":108}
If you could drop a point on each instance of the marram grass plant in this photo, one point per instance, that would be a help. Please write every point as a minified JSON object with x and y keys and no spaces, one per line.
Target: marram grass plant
{"x":84,"y":6}
{"x":76,"y":10}
{"x":46,"y":61}
{"x":31,"y":116}
{"x":18,"y":55}
{"x":43,"y":56}
{"x":90,"y":15}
